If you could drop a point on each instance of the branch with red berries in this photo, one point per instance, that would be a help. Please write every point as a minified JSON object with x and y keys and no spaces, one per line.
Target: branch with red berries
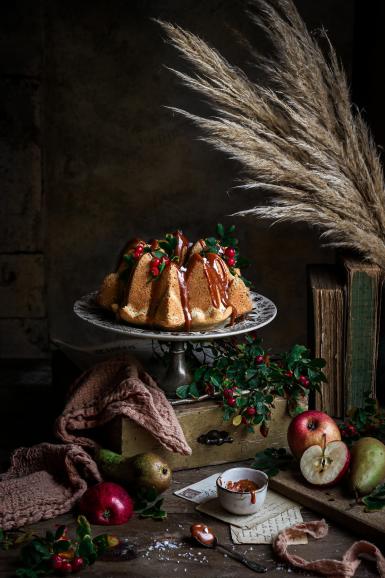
{"x":368,"y":420}
{"x":248,"y":379}
{"x":57,"y":553}
{"x":226,"y":245}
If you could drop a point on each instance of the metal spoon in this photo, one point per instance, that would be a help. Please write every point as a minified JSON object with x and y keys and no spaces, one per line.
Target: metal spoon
{"x":206,"y":537}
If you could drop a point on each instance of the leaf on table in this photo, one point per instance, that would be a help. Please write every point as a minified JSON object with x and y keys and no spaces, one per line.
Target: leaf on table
{"x":60,"y":532}
{"x":155,"y":511}
{"x":237,"y":420}
{"x":27,"y":573}
{"x":83,"y":527}
{"x":87,"y":550}
{"x":272,"y":460}
{"x":375,"y":501}
{"x":61,"y":546}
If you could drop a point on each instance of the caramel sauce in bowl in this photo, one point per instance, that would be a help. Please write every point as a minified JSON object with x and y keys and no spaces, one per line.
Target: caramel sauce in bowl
{"x":242,"y":491}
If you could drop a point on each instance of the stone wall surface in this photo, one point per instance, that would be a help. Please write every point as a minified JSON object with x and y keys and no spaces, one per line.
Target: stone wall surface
{"x":116,"y":162}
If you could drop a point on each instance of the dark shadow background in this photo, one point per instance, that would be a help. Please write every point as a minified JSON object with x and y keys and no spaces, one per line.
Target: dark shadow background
{"x":90,"y":156}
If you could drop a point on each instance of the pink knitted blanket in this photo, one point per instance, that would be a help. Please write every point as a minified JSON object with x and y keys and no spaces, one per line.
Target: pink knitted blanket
{"x":119,"y":387}
{"x":44,"y":481}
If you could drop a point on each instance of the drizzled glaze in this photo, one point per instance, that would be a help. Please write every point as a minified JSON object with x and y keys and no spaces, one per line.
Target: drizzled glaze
{"x":214,"y":268}
{"x":218,"y":281}
{"x":184,"y":298}
{"x":182,"y":244}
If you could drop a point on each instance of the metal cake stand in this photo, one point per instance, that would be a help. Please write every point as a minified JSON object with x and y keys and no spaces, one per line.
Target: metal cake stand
{"x":177,"y":373}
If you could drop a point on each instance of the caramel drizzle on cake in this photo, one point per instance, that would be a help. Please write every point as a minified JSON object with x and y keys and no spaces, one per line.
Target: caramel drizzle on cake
{"x":174,"y":284}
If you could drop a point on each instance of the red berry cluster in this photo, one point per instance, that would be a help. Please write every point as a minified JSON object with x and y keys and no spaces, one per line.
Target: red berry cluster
{"x":260,"y":359}
{"x":156,"y":263}
{"x":229,"y":396}
{"x":248,"y":415}
{"x":348,"y":430}
{"x":138,"y":252}
{"x":63,"y":566}
{"x":304,"y":381}
{"x":230,"y":256}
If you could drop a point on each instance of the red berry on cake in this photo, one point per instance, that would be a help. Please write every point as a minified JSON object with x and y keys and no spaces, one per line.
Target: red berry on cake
{"x":231,"y":261}
{"x":155,"y":271}
{"x":251,"y":411}
{"x":259,"y":359}
{"x":155,"y":262}
{"x":230,"y":252}
{"x":231,"y":401}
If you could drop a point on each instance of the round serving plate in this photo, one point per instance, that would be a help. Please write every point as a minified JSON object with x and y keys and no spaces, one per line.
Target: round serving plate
{"x":264,"y":311}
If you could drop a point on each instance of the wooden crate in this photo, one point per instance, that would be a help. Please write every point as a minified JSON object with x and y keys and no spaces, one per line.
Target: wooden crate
{"x":126,"y":437}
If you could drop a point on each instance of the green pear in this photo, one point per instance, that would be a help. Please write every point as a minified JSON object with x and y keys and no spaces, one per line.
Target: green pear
{"x":113,"y":467}
{"x":367,"y":466}
{"x":149,"y":471}
{"x":143,"y":471}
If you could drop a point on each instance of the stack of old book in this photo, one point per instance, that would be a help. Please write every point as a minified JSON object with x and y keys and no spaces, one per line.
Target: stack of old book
{"x":344,"y":328}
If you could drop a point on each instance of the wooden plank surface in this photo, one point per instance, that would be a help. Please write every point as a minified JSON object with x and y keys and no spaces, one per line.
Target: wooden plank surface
{"x":22,"y":291}
{"x":24,"y":339}
{"x":186,"y":559}
{"x":332,"y":503}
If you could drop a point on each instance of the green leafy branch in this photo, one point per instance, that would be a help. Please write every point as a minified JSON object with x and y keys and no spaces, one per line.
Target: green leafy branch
{"x":42,"y":556}
{"x":169,"y":245}
{"x":368,"y":420}
{"x":247,"y":379}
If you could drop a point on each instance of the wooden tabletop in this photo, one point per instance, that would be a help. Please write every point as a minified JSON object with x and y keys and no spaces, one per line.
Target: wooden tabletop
{"x":180,"y":557}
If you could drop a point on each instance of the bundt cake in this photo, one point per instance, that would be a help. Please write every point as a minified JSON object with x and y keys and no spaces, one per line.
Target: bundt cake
{"x":176,"y":285}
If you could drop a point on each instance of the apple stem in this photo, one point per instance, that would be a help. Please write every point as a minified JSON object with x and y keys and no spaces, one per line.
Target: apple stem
{"x":323,"y":460}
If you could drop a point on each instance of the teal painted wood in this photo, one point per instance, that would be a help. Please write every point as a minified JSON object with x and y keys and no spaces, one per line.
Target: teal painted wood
{"x":362,"y":323}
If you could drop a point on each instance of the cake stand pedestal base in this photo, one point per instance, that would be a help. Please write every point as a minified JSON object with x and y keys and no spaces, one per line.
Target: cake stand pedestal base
{"x":177,"y":371}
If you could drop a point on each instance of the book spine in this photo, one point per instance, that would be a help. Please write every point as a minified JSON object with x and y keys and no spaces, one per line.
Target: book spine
{"x":361,"y":336}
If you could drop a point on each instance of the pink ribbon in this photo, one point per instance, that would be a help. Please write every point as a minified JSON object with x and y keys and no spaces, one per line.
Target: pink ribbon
{"x":344,"y":568}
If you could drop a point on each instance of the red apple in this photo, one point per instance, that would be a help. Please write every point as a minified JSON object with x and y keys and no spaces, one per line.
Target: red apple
{"x":325,"y":466}
{"x":308,"y":428}
{"x":106,"y":503}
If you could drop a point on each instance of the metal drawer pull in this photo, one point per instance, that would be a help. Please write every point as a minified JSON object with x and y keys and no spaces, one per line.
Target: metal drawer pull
{"x":215,"y":437}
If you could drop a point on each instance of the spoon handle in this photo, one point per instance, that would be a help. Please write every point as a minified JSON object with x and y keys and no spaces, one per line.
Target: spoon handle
{"x":241,"y":558}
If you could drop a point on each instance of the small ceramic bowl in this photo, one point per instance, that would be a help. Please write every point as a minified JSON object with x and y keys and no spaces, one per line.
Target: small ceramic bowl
{"x":242,"y":503}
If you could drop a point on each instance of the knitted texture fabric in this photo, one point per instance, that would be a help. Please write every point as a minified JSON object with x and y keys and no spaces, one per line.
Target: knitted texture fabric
{"x":42,"y":482}
{"x":344,"y":568}
{"x":119,"y":387}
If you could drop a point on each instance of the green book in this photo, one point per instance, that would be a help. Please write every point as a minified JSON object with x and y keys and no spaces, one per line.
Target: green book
{"x":363,"y":286}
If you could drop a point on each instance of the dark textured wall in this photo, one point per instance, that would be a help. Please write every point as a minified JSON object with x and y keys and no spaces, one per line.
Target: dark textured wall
{"x":117,"y":163}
